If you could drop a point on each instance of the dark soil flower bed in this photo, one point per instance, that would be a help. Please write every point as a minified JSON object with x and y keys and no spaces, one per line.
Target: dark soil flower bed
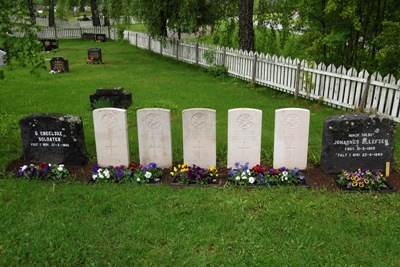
{"x":315,"y":177}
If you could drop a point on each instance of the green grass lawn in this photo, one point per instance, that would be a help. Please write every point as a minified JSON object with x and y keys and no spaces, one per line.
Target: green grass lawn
{"x":75,"y":224}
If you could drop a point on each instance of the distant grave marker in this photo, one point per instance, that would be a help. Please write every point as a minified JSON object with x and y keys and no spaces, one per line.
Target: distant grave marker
{"x":199,"y":137}
{"x":291,"y":138}
{"x":59,"y":64}
{"x":53,"y":138}
{"x":354,"y":141}
{"x":244,"y":136}
{"x":49,"y":44}
{"x":95,"y":54}
{"x":100,"y":38}
{"x":117,"y":97}
{"x":111,"y":134}
{"x":154,"y":134}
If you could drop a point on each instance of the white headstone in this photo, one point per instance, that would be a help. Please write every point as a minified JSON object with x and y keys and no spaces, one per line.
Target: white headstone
{"x":154,"y":133}
{"x":199,"y":137}
{"x":244,"y":136}
{"x":291,"y":138}
{"x":111,"y":134}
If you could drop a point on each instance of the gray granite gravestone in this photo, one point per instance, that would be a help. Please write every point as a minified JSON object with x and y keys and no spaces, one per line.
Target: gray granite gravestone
{"x":53,"y":138}
{"x":354,"y":141}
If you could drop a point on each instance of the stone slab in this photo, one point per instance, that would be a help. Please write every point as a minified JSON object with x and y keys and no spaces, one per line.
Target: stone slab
{"x":291,"y":138}
{"x":154,"y":134}
{"x":111,"y":134}
{"x":244,"y":136}
{"x":199,"y":137}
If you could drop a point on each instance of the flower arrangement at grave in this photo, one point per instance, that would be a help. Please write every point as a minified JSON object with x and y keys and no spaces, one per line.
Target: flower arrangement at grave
{"x":93,"y":60}
{"x":44,"y":171}
{"x":362,"y":179}
{"x":243,"y":175}
{"x":56,"y":70}
{"x":134,"y":173}
{"x":185,"y":174}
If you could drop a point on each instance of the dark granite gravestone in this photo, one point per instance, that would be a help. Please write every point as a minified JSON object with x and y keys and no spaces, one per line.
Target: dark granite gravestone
{"x":117,"y":97}
{"x":95,"y":53}
{"x":100,"y":38}
{"x":53,"y":138}
{"x":59,"y":64}
{"x":49,"y":44}
{"x":354,"y":141}
{"x":88,"y":36}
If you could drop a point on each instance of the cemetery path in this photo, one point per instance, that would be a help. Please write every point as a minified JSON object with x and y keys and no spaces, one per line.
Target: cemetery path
{"x":315,"y":177}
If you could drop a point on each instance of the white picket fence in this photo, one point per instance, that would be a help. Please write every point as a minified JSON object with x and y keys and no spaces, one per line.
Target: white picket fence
{"x":74,"y":33}
{"x":337,"y":87}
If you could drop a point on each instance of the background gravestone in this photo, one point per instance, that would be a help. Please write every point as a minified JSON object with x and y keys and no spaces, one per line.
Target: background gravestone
{"x":88,"y":36}
{"x":95,"y":53}
{"x":59,"y":63}
{"x":100,"y":38}
{"x":117,"y":97}
{"x":354,"y":141}
{"x":53,"y":138}
{"x":49,"y":44}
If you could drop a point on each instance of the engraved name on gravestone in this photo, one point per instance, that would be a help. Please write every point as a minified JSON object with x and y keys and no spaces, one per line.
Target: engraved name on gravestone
{"x":154,"y":134}
{"x":354,"y":141}
{"x":95,"y":53}
{"x":60,"y":64}
{"x":53,"y":138}
{"x":244,"y":136}
{"x":291,"y":138}
{"x":199,"y":137}
{"x":111,"y":134}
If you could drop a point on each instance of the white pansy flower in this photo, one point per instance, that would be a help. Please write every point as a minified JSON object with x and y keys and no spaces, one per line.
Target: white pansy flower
{"x":252,"y":180}
{"x":60,"y":167}
{"x":138,"y":179}
{"x":94,"y":176}
{"x":107,"y":173}
{"x":237,"y":178}
{"x":101,"y":176}
{"x":147,"y":175}
{"x":23,"y":168}
{"x":248,"y":172}
{"x":285,"y":173}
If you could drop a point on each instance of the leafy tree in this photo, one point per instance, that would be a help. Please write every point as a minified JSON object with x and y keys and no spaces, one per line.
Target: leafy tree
{"x":19,"y":35}
{"x":95,"y":13}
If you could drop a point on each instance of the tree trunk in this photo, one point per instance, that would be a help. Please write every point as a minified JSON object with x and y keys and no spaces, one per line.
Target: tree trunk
{"x":95,"y":13}
{"x":52,"y":19}
{"x":246,"y":30}
{"x":31,"y":8}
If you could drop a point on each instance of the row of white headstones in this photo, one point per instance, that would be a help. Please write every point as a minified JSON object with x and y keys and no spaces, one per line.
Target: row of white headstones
{"x":199,"y":137}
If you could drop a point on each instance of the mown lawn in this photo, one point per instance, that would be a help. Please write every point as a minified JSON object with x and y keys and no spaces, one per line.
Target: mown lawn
{"x":77,"y":224}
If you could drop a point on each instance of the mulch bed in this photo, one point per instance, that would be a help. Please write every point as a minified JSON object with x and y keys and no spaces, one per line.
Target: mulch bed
{"x":315,"y":176}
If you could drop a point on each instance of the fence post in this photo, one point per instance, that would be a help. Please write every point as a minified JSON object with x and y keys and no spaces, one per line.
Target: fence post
{"x":224,"y":57}
{"x":109,"y":32}
{"x":197,"y":53}
{"x":297,"y":86}
{"x":55,"y":32}
{"x":365,"y":94}
{"x":177,"y":49}
{"x":136,"y":40}
{"x":161,"y":46}
{"x":253,"y":78}
{"x":149,"y":42}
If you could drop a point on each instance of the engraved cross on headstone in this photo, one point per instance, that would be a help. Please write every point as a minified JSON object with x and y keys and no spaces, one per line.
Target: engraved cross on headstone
{"x":291,"y":149}
{"x":110,"y":147}
{"x":243,"y":148}
{"x":198,"y":147}
{"x":154,"y":146}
